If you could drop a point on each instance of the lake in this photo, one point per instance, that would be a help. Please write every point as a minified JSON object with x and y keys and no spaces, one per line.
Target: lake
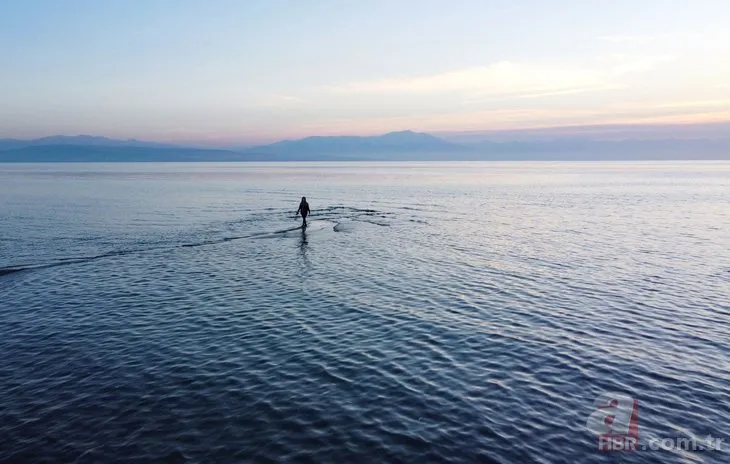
{"x":430,"y":312}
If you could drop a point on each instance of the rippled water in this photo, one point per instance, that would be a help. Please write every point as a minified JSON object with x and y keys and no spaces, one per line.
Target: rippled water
{"x":466,"y":312}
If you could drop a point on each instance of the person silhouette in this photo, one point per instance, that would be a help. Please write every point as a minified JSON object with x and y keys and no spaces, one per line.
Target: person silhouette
{"x":304,"y":210}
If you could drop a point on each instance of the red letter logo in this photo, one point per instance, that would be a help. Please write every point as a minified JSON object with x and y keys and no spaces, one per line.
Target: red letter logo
{"x":615,"y":421}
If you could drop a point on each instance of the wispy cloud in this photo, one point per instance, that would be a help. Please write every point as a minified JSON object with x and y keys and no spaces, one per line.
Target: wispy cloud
{"x":523,"y":118}
{"x":697,"y":104}
{"x":509,"y":79}
{"x":618,"y":65}
{"x":279,"y":101}
{"x":629,"y":38}
{"x":557,"y":93}
{"x":504,"y":77}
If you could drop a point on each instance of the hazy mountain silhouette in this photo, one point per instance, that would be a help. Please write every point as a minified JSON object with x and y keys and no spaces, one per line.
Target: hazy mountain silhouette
{"x":393,"y":146}
{"x":596,"y":132}
{"x":11,"y":144}
{"x":80,"y":140}
{"x":98,"y":153}
{"x":414,"y":146}
{"x":584,"y":149}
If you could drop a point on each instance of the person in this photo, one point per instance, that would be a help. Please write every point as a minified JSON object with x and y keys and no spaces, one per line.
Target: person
{"x":304,"y":209}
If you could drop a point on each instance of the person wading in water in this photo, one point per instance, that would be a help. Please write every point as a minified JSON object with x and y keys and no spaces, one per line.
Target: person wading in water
{"x":304,"y":209}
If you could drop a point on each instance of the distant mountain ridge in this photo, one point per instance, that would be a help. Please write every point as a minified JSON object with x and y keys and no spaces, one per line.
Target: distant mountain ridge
{"x":79,"y":140}
{"x":393,"y":146}
{"x":402,"y":144}
{"x":392,"y":140}
{"x":101,"y":153}
{"x":84,"y":148}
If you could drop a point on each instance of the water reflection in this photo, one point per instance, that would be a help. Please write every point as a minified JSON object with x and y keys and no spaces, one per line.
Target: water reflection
{"x":303,"y":244}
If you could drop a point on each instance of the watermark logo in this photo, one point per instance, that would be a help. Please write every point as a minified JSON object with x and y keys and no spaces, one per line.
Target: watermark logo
{"x":615,"y":421}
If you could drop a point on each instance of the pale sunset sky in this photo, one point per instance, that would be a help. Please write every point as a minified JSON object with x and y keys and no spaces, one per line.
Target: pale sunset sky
{"x":238,"y":71}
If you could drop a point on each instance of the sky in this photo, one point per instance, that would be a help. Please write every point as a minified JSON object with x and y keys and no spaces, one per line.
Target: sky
{"x":221,"y":72}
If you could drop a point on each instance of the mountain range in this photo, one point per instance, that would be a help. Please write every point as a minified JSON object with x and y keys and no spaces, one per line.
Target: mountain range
{"x":395,"y":146}
{"x":85,"y":140}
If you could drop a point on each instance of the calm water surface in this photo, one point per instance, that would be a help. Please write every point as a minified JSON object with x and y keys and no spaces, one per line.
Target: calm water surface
{"x":466,"y":312}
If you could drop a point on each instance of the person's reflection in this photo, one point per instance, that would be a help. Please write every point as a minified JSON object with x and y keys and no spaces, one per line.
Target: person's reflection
{"x":305,"y":265}
{"x":303,"y":245}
